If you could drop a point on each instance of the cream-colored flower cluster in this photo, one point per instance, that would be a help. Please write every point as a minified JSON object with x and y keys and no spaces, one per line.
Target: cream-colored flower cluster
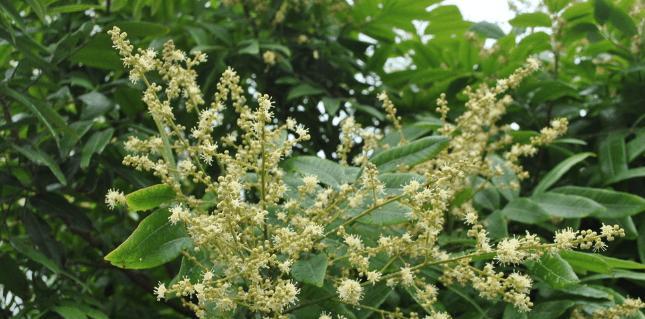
{"x":250,"y":225}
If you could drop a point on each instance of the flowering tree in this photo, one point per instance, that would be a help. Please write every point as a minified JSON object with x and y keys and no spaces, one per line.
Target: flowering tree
{"x":270,"y":221}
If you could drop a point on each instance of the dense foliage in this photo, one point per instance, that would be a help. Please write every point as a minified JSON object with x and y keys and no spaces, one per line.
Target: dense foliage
{"x":68,"y":108}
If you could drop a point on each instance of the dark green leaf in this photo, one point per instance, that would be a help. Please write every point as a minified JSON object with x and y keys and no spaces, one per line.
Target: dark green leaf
{"x":557,"y":172}
{"x":95,"y":144}
{"x":303,"y":89}
{"x":41,"y":158}
{"x":154,"y":242}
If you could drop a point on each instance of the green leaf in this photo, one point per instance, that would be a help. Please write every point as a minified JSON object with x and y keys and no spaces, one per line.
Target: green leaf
{"x":390,"y":214}
{"x":530,"y":20}
{"x":95,"y":144}
{"x":98,"y":53}
{"x":95,"y":104}
{"x":636,"y":146}
{"x":328,"y":172}
{"x":525,"y":210}
{"x":154,"y":242}
{"x":628,"y":174}
{"x":605,"y":11}
{"x":52,"y":120}
{"x":567,"y":206}
{"x":617,"y":204}
{"x":70,"y":8}
{"x":303,"y":89}
{"x":149,"y":197}
{"x":598,"y":263}
{"x":12,"y":278}
{"x":612,"y":155}
{"x":553,"y":270}
{"x":311,"y":270}
{"x":504,"y":181}
{"x":586,"y":262}
{"x":39,"y":8}
{"x":550,"y":309}
{"x":488,"y":30}
{"x":511,"y":312}
{"x":41,"y":158}
{"x":250,"y":46}
{"x":557,"y":172}
{"x":136,"y":29}
{"x":24,"y":247}
{"x":331,"y":105}
{"x":410,"y":154}
{"x":70,"y":312}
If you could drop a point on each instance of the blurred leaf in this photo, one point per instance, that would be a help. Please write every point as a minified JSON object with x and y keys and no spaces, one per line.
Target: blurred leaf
{"x":617,"y":204}
{"x":41,"y":158}
{"x":525,"y":210}
{"x":557,"y":172}
{"x":530,"y":20}
{"x":488,"y":30}
{"x":310,"y":270}
{"x":95,"y":144}
{"x":12,"y":278}
{"x":149,"y":197}
{"x":567,"y":206}
{"x":612,"y":155}
{"x":411,"y":154}
{"x":138,"y":29}
{"x":303,"y":89}
{"x":153,"y":243}
{"x":628,"y":174}
{"x":328,"y":172}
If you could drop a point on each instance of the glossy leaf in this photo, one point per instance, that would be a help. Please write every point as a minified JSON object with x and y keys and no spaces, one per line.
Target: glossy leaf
{"x":153,"y":243}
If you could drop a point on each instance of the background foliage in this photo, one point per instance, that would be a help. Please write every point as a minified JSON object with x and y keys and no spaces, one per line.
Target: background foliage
{"x":67,"y":107}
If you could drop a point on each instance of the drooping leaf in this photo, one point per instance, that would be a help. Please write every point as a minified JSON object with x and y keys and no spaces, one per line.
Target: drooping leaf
{"x":557,"y":172}
{"x":410,"y":154}
{"x":311,"y":270}
{"x":154,"y":242}
{"x":617,"y":204}
{"x":149,"y":197}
